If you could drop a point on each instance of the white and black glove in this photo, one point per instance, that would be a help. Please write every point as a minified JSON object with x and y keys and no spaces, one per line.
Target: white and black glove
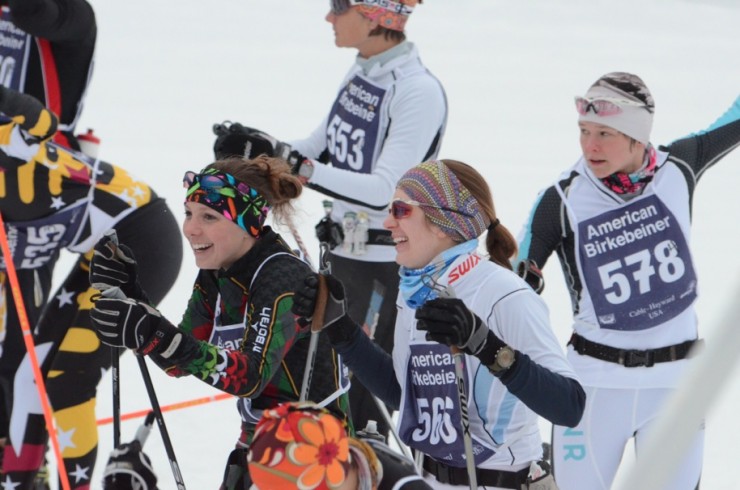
{"x":135,"y":325}
{"x":448,"y":321}
{"x":129,"y":468}
{"x":234,"y":139}
{"x":113,"y":265}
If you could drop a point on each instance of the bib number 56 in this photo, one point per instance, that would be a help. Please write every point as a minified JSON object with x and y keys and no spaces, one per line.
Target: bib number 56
{"x":435,"y":421}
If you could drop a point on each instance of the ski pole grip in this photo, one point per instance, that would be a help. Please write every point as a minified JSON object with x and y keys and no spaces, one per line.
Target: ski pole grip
{"x":322,"y":296}
{"x":113,"y":236}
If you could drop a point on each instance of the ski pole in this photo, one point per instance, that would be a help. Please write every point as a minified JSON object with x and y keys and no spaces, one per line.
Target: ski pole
{"x":142,"y":433}
{"x":464,"y":419}
{"x":115,"y":369}
{"x":462,"y":395}
{"x":167,"y":408}
{"x":31,"y":349}
{"x":317,"y":319}
{"x":160,"y":423}
{"x":116,"y":292}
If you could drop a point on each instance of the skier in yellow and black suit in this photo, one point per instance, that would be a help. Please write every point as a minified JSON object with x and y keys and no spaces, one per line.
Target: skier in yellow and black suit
{"x":53,"y":199}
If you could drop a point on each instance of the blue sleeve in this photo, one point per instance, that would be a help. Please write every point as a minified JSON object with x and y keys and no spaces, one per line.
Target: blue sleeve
{"x":370,"y":364}
{"x":559,"y":399}
{"x":731,"y":115}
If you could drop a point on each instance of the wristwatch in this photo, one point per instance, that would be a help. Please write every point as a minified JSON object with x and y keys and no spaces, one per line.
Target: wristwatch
{"x":505,"y":357}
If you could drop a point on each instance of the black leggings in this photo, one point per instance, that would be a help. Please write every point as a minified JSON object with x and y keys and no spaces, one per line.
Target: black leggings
{"x":72,"y":358}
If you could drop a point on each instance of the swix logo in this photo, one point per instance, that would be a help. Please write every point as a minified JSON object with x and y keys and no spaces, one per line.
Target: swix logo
{"x":463,"y":268}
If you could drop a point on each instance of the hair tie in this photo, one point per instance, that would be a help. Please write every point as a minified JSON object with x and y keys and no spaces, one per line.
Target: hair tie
{"x":493,"y":225}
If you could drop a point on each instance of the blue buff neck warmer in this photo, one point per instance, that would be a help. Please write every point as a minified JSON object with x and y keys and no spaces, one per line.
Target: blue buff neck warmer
{"x":419,"y":285}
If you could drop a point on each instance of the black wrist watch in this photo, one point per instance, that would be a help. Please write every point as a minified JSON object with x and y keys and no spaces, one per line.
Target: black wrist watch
{"x":505,"y":358}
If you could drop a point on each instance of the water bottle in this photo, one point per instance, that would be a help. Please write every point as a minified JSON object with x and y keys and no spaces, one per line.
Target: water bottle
{"x":89,"y":143}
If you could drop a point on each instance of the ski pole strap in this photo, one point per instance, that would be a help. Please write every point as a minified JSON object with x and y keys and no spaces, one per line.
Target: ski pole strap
{"x":452,"y":475}
{"x":631,"y":357}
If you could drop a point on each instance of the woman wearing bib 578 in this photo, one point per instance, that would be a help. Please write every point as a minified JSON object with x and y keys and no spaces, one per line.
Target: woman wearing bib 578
{"x":620,"y":220}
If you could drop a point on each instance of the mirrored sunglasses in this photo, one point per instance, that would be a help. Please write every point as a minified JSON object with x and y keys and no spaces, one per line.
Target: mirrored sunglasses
{"x":401,"y":209}
{"x":604,"y":106}
{"x":215,"y":184}
{"x":338,"y":7}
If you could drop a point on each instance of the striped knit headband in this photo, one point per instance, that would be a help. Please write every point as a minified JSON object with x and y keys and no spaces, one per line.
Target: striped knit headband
{"x":434,"y":183}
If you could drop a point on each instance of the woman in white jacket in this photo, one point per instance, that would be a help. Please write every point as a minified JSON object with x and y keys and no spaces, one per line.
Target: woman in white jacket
{"x":451,"y":296}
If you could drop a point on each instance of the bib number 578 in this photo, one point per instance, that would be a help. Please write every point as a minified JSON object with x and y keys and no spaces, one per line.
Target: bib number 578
{"x":620,"y":283}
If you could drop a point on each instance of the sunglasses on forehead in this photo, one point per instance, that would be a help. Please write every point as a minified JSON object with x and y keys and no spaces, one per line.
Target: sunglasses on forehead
{"x":401,"y":209}
{"x":338,"y":7}
{"x":214,"y":184}
{"x":605,"y":106}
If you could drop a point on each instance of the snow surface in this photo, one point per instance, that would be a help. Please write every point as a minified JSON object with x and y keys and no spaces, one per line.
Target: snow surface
{"x":168,"y":69}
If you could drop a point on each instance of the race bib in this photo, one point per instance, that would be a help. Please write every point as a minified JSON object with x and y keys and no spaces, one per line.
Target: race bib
{"x":227,"y":336}
{"x":14,"y":49}
{"x":353,"y":125}
{"x":34,"y":243}
{"x":431,"y":420}
{"x":637,"y":266}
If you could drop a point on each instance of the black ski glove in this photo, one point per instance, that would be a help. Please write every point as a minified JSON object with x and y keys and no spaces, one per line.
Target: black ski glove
{"x":448,"y":321}
{"x":134,"y":325}
{"x":304,"y":305}
{"x":31,"y":116}
{"x":113,"y":265}
{"x":234,"y":139}
{"x":329,"y":231}
{"x":129,"y":468}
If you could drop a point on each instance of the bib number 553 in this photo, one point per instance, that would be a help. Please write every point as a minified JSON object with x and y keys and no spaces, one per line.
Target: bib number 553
{"x":345,"y":143}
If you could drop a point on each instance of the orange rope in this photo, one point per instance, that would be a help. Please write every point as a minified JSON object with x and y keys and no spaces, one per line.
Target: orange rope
{"x":31,"y":348}
{"x":168,"y":408}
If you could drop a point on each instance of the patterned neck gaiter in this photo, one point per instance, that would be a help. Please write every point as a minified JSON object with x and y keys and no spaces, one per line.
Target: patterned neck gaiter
{"x":623,"y":183}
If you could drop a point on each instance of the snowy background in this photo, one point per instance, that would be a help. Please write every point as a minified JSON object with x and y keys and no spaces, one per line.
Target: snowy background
{"x":168,"y":69}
